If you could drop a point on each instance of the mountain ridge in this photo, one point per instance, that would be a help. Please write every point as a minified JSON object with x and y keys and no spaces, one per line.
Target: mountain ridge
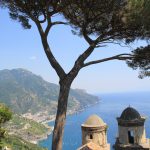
{"x":24,"y":92}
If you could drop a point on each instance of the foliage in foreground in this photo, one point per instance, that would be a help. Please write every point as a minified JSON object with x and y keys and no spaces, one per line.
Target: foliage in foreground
{"x":23,"y":127}
{"x":5,"y":115}
{"x":16,"y":143}
{"x":12,"y":141}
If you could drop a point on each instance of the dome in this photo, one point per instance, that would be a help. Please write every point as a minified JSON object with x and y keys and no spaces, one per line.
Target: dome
{"x":94,"y":120}
{"x":130,"y":114}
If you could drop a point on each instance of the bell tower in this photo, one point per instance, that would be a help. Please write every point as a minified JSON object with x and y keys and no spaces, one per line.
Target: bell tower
{"x":94,"y":134}
{"x":131,"y":131}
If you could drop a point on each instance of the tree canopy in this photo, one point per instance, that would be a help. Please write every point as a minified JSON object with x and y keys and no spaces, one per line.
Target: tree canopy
{"x":112,"y":19}
{"x":109,"y":19}
{"x":141,"y":61}
{"x":140,"y":11}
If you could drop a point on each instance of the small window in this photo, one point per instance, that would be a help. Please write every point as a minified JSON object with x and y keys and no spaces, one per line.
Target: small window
{"x":131,"y":137}
{"x":91,"y":136}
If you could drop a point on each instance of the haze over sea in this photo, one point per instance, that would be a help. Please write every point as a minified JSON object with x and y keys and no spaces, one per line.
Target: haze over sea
{"x":110,"y":107}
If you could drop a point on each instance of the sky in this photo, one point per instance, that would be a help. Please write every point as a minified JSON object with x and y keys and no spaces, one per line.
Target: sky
{"x":20,"y":48}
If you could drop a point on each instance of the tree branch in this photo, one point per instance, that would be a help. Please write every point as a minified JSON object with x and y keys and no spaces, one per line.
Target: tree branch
{"x":48,"y":29}
{"x":59,"y":22}
{"x":86,"y":37}
{"x":80,"y":61}
{"x":49,"y":24}
{"x":88,"y":52}
{"x":117,"y":57}
{"x":54,"y":63}
{"x":44,"y":19}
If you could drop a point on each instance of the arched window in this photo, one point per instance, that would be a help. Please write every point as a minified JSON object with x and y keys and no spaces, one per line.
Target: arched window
{"x":131,"y":137}
{"x":91,"y":136}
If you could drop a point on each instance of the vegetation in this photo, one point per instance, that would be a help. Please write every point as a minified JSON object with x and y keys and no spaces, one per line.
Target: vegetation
{"x":141,"y":61}
{"x":5,"y":115}
{"x":25,"y":92}
{"x":26,"y":129}
{"x":99,"y":22}
{"x":18,"y":125}
{"x":140,"y":10}
{"x":16,"y":143}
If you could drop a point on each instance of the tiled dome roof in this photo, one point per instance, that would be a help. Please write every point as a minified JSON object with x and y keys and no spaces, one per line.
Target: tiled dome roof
{"x":130,"y":114}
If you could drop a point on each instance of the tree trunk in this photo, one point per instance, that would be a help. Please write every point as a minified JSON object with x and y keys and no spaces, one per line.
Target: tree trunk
{"x":61,"y":115}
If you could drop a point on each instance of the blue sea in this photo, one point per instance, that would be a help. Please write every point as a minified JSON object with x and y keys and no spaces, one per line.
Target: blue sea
{"x":110,"y":107}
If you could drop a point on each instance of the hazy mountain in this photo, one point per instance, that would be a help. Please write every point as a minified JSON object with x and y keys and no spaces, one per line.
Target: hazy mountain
{"x":26,"y":92}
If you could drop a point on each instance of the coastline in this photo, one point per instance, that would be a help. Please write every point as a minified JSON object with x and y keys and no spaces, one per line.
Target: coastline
{"x":45,"y":136}
{"x":71,"y":112}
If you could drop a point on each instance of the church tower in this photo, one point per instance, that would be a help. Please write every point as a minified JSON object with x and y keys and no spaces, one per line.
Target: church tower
{"x":131,"y":131}
{"x":94,"y":134}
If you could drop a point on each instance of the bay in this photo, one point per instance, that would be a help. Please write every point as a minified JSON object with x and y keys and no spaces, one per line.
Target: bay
{"x":110,"y":107}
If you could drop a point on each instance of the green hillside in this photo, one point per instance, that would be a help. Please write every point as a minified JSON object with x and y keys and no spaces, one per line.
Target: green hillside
{"x":16,"y":143}
{"x":27,"y":129}
{"x":24,"y":92}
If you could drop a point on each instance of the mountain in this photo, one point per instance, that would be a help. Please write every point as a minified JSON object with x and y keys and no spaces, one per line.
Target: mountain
{"x":25,"y":92}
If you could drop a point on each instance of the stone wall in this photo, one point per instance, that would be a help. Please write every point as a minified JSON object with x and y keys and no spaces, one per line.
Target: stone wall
{"x":138,"y":132}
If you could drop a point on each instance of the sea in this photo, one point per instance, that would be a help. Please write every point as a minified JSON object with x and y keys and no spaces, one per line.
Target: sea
{"x":109,"y":108}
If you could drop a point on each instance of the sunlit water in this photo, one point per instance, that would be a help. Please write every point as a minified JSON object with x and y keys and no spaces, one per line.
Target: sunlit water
{"x":108,"y":109}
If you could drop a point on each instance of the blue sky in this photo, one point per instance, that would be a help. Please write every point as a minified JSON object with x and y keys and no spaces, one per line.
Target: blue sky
{"x":20,"y":48}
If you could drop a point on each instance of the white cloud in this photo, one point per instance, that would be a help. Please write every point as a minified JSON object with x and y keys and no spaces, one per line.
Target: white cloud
{"x":33,"y":58}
